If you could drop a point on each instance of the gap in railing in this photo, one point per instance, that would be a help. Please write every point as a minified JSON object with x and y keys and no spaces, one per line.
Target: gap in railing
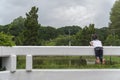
{"x":60,"y":62}
{"x":0,"y":62}
{"x":114,"y":61}
{"x":68,"y":62}
{"x":2,"y":67}
{"x":21,"y":62}
{"x":73,"y":62}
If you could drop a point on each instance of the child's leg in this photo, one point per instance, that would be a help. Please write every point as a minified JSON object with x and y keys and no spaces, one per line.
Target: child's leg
{"x":103,"y":61}
{"x":101,"y":56}
{"x":97,"y":60}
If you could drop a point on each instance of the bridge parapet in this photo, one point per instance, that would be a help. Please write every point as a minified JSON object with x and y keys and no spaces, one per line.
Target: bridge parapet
{"x":9,"y":55}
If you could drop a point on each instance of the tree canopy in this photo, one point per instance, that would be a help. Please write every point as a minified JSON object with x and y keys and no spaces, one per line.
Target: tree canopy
{"x":31,"y":27}
{"x":115,"y":18}
{"x":6,"y":40}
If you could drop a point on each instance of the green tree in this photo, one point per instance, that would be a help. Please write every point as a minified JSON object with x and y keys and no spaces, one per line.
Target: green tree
{"x":59,"y":41}
{"x":31,"y":31}
{"x":65,"y":30}
{"x":6,"y":40}
{"x":115,"y":18}
{"x":5,"y":29}
{"x":17,"y":26}
{"x":112,"y":40}
{"x":1,"y":28}
{"x":83,"y":37}
{"x":69,"y":32}
{"x":16,"y":29}
{"x":47,"y":33}
{"x":102,"y":33}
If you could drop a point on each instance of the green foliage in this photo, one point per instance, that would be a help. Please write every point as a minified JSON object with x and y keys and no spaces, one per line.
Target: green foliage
{"x":112,"y":40}
{"x":102,"y":34}
{"x":31,"y":27}
{"x":5,"y":29}
{"x":47,"y":33}
{"x":60,"y":41}
{"x":17,"y":26}
{"x":16,"y":29}
{"x":72,"y":30}
{"x":68,"y":62}
{"x":6,"y":40}
{"x":58,"y":62}
{"x":83,"y":37}
{"x":115,"y":17}
{"x":21,"y":62}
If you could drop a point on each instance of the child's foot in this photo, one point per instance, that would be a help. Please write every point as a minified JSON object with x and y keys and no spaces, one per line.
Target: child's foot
{"x":103,"y":61}
{"x":97,"y":61}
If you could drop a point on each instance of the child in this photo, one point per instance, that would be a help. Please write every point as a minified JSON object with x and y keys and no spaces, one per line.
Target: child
{"x":97,"y":44}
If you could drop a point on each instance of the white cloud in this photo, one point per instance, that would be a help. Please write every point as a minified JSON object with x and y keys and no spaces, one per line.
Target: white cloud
{"x":11,"y":9}
{"x":72,"y":15}
{"x":59,"y":13}
{"x":79,"y":12}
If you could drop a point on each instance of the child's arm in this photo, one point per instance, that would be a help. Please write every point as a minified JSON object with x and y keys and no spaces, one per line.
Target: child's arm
{"x":91,"y":43}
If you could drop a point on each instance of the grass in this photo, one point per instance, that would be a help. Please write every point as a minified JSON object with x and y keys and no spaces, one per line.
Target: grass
{"x":68,"y":62}
{"x":21,"y":62}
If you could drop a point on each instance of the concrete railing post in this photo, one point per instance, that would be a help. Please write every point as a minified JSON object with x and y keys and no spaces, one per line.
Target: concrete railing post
{"x":29,"y":63}
{"x":13,"y":63}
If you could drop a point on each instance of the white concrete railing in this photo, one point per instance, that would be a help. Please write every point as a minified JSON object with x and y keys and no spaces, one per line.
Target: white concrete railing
{"x":9,"y":54}
{"x":56,"y":50}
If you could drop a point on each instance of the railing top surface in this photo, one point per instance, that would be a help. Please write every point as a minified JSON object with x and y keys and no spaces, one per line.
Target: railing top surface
{"x":56,"y":47}
{"x":62,"y":46}
{"x":56,"y":50}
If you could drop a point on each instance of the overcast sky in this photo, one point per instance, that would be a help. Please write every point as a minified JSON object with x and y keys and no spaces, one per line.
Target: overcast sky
{"x":59,"y":13}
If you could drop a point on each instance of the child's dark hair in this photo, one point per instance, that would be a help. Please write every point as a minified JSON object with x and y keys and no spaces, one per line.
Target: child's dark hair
{"x":94,"y":36}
